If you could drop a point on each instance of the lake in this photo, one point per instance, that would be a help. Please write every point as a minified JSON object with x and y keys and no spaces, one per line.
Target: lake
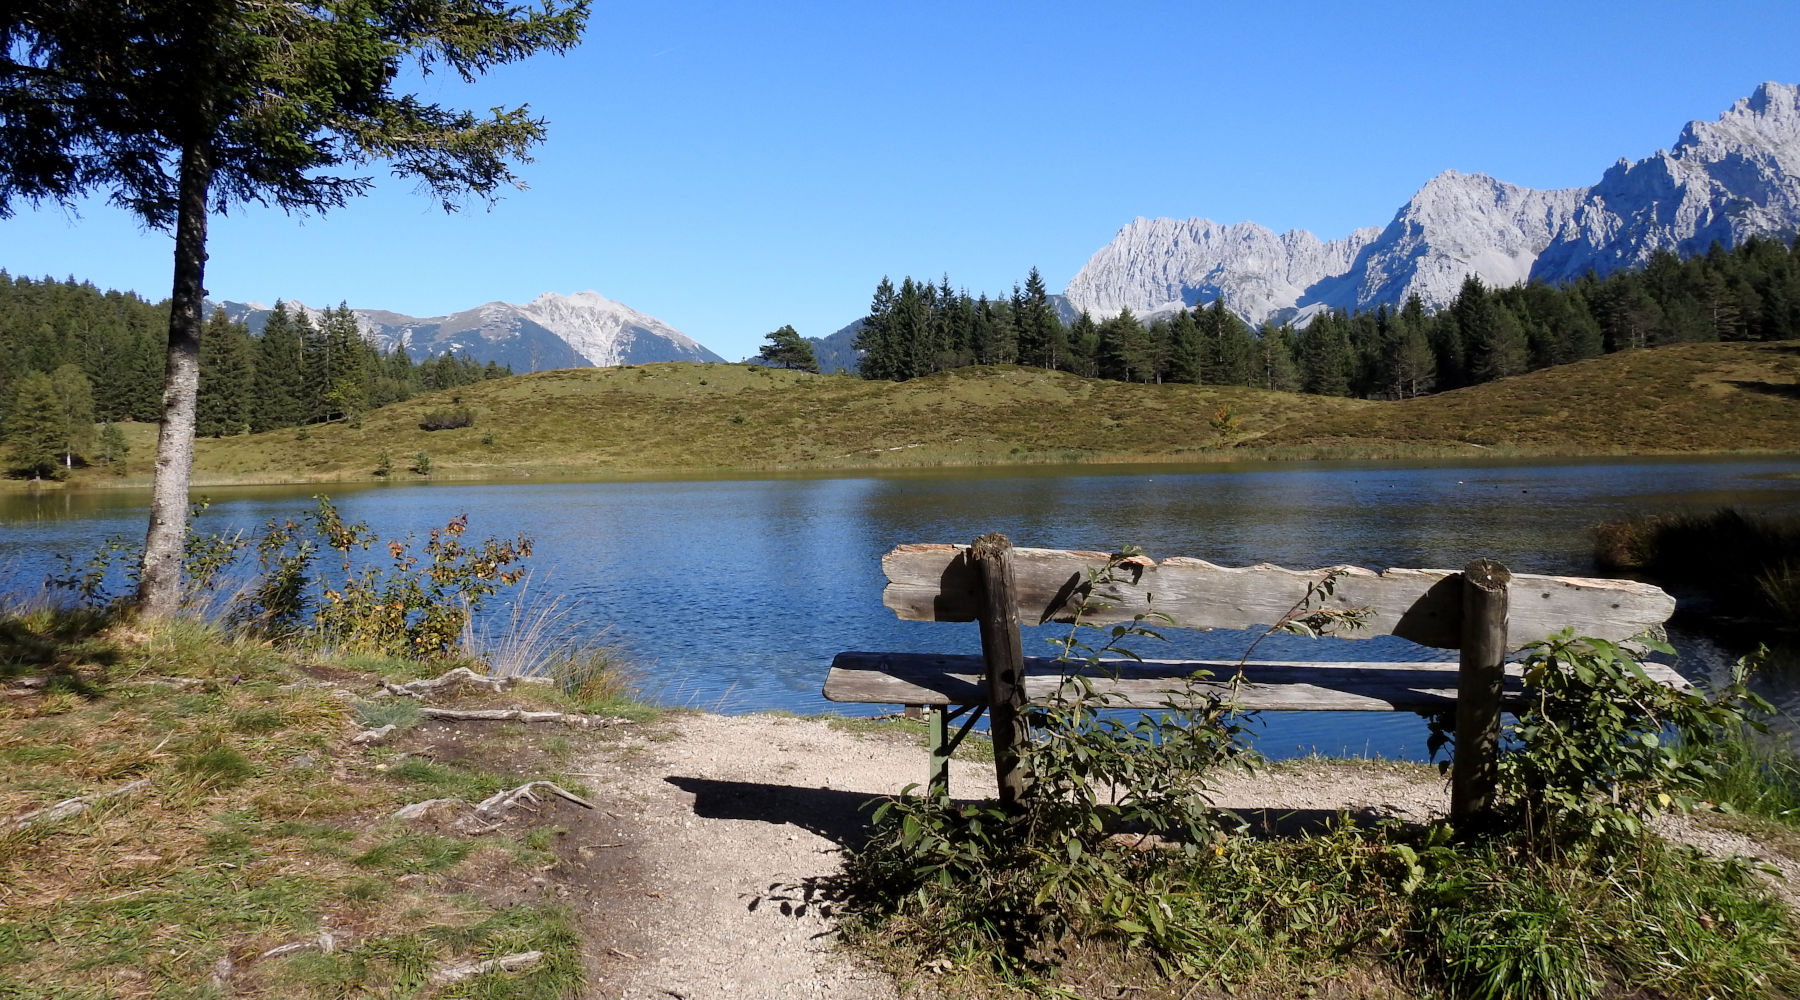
{"x":733,"y":594}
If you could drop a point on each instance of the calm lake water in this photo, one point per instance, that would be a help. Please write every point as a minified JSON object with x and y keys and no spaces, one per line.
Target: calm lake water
{"x":734,"y":594}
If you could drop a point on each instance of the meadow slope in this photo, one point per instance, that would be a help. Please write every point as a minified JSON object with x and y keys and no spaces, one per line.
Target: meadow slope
{"x":698,"y":419}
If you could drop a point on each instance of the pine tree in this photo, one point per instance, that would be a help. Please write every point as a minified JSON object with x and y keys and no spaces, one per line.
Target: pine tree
{"x":1409,"y":368}
{"x":227,"y":378}
{"x":75,"y":411}
{"x":875,"y":340}
{"x":35,"y":428}
{"x":110,"y":447}
{"x":280,"y":373}
{"x":788,"y":349}
{"x":1324,"y":356}
{"x":181,"y":108}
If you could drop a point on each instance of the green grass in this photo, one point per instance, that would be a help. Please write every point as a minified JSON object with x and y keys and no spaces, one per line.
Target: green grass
{"x":262,"y":825}
{"x":1401,"y":909}
{"x":1682,"y":398}
{"x":695,"y":419}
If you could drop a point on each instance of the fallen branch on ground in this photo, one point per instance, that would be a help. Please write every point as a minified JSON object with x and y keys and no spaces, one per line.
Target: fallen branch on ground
{"x":71,"y":807}
{"x":520,"y":715}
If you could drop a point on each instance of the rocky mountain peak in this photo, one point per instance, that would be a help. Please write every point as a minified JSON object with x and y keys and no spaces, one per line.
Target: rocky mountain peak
{"x":1723,"y":180}
{"x":551,"y":331}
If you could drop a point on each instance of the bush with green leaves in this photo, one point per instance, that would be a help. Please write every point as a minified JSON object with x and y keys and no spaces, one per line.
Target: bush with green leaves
{"x":1114,"y":850}
{"x":1080,"y":852}
{"x":418,"y":606}
{"x":1599,"y":745}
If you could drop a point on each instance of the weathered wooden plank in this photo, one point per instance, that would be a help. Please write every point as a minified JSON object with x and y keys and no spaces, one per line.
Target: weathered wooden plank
{"x":936,"y":583}
{"x":938,"y":679}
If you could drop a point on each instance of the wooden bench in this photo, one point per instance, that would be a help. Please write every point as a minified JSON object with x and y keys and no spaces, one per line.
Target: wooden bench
{"x":1484,"y":612}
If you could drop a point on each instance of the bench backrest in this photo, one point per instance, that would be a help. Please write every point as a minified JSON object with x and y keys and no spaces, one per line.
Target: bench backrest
{"x":939,"y":583}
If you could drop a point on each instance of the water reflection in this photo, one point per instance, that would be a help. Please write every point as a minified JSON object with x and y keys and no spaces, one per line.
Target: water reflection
{"x":736,"y":593}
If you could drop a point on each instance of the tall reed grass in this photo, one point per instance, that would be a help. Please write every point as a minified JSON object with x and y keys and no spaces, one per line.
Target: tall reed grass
{"x":1744,"y":564}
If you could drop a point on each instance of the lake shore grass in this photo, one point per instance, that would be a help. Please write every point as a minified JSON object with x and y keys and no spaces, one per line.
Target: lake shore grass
{"x":1741,"y":567}
{"x":188,"y":813}
{"x":251,"y":848}
{"x":682,"y":419}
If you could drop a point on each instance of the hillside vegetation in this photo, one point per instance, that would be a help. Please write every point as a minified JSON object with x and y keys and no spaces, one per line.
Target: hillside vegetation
{"x":680,"y":418}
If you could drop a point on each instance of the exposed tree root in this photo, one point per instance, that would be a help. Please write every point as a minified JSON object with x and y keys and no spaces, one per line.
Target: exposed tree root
{"x":373,"y":737}
{"x":459,"y":677}
{"x":487,"y":815}
{"x":71,"y":807}
{"x":506,"y":963}
{"x":521,"y":715}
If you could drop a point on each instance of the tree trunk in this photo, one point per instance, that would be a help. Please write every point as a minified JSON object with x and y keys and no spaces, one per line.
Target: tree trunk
{"x":159,"y":588}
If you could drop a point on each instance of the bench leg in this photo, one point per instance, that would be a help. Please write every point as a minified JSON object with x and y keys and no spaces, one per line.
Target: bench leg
{"x":937,"y":728}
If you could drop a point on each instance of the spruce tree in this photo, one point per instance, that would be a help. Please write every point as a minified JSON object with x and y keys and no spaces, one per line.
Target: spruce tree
{"x":1186,"y":360}
{"x":35,"y":428}
{"x":75,"y":409}
{"x":1084,"y":346}
{"x":875,"y":340}
{"x":1324,"y":356}
{"x":227,"y":378}
{"x":1042,"y":340}
{"x":1274,"y":366}
{"x":1229,"y":347}
{"x":177,"y":109}
{"x":280,"y":374}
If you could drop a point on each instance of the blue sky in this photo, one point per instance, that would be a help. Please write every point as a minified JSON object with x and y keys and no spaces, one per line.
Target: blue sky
{"x":731,"y":168}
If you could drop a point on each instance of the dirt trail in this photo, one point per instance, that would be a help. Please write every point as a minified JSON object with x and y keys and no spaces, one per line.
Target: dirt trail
{"x":721,"y":818}
{"x":726,"y":813}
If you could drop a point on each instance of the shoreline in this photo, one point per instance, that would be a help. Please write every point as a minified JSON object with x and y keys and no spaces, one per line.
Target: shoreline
{"x":1121,"y":464}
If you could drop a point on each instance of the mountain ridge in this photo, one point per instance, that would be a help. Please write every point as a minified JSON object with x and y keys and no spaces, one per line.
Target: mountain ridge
{"x":1724,"y":180}
{"x":581,"y":330}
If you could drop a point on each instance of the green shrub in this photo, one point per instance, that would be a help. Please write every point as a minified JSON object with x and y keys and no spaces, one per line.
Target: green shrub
{"x":1600,"y":745}
{"x":447,"y":418}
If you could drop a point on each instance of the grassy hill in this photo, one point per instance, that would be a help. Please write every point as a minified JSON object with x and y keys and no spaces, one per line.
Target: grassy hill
{"x":682,"y":418}
{"x":1681,"y":398}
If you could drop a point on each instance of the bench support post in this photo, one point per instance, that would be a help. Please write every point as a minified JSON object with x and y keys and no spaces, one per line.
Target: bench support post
{"x":1475,"y":771}
{"x":1004,"y":655}
{"x":937,"y":737}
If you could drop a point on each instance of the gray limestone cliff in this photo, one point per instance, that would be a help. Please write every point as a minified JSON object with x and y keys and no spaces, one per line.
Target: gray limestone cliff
{"x":1724,"y":180}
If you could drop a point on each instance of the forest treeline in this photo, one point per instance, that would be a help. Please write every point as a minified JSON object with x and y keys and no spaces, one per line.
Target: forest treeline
{"x":295,"y":372}
{"x":1749,"y":293}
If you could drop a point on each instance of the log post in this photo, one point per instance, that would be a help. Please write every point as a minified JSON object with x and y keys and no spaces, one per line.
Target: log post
{"x":1481,"y":674}
{"x":937,"y":741}
{"x":1004,"y":654}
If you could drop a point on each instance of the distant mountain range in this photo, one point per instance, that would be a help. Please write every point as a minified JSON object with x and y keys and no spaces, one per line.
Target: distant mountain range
{"x":551,"y":331}
{"x":1724,"y":180}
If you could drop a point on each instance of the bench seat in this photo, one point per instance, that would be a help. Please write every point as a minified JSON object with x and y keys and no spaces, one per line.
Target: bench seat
{"x":941,"y":681}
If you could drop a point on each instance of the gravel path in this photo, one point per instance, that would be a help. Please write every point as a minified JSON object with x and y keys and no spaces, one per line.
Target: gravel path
{"x":734,"y":812}
{"x":728,"y":815}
